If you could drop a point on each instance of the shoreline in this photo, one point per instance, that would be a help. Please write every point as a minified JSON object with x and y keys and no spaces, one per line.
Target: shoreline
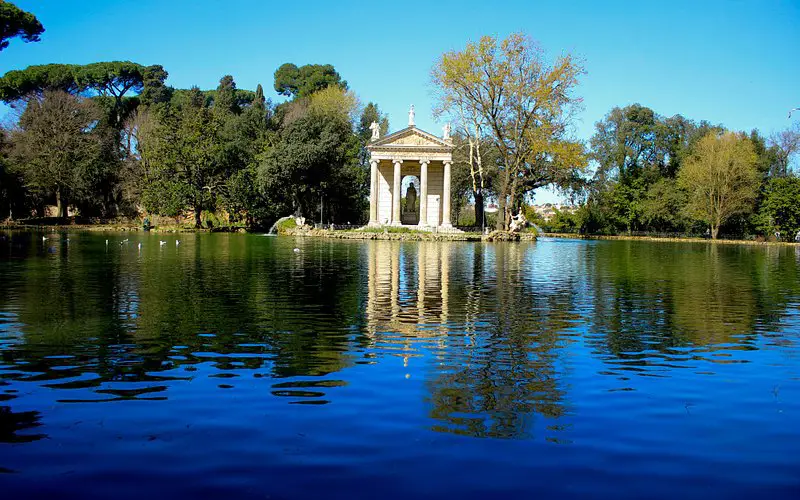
{"x":570,"y":236}
{"x":372,"y":235}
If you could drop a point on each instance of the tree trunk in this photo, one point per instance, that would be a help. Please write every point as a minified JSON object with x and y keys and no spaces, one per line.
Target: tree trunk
{"x":197,"y":212}
{"x":61,"y":204}
{"x":714,"y":232}
{"x":500,"y":223}
{"x":478,"y":196}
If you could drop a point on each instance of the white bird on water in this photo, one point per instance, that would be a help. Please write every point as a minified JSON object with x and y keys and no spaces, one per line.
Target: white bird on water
{"x":44,"y":238}
{"x":140,"y":246}
{"x":296,"y":250}
{"x":177,"y":242}
{"x":106,"y":242}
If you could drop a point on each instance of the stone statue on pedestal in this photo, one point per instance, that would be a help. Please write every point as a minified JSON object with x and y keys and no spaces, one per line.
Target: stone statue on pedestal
{"x":518,"y":222}
{"x":376,"y":131}
{"x":411,"y":116}
{"x":411,"y":199}
{"x":410,"y":215}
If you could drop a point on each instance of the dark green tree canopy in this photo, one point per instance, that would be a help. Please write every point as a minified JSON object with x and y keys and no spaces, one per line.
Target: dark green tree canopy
{"x":62,"y":147}
{"x":259,"y":100}
{"x":292,"y":81}
{"x":15,"y":22}
{"x":154,"y":90}
{"x":115,"y":78}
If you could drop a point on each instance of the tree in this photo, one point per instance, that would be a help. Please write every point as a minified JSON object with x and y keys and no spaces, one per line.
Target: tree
{"x":292,"y":81}
{"x":259,"y":100}
{"x":114,"y":80}
{"x":314,"y":160}
{"x":225,"y":96}
{"x":13,"y":201}
{"x":15,"y":22}
{"x":787,"y":144}
{"x":154,"y":91}
{"x":780,"y":209}
{"x":183,"y":152}
{"x":526,"y":103}
{"x":624,"y":144}
{"x":663,"y":206}
{"x":62,"y":148}
{"x":470,"y":126}
{"x":721,"y":178}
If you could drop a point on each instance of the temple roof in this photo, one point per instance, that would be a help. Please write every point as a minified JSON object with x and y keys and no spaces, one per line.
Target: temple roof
{"x":411,"y":139}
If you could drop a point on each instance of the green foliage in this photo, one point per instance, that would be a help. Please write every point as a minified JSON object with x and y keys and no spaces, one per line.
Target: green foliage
{"x":564,"y":222}
{"x":110,"y":81}
{"x":780,"y":210}
{"x":639,"y":155}
{"x":286,"y":225}
{"x":114,"y":78}
{"x":185,"y":149}
{"x":292,"y":81}
{"x":259,"y":100}
{"x":663,"y":207}
{"x":166,"y":197}
{"x":313,"y":165}
{"x":721,"y":178}
{"x":13,"y":199}
{"x":62,"y":147}
{"x":154,"y":91}
{"x":15,"y":22}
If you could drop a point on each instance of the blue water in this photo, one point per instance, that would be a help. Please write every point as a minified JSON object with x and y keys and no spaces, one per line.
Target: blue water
{"x":233,"y":365}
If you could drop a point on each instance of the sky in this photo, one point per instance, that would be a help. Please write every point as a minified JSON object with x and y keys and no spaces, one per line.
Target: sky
{"x":736,"y":63}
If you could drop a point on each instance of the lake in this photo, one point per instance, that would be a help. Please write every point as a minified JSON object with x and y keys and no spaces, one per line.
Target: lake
{"x":248,"y":366}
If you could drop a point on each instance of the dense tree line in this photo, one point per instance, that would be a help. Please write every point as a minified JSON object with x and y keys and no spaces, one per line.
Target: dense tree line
{"x":112,"y":139}
{"x":672,"y":174}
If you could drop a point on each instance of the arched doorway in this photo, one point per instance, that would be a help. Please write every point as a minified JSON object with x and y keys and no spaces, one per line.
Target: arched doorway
{"x":409,"y":202}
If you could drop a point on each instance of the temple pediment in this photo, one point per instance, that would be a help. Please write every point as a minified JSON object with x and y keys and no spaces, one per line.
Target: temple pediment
{"x":410,"y":138}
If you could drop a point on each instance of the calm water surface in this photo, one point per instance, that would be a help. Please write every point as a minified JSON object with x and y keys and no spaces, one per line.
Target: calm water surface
{"x":234,"y":365}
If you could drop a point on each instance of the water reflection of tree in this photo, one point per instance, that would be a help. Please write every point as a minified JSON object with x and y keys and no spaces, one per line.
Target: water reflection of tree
{"x":658,"y":296}
{"x":122,"y":313}
{"x":11,"y":423}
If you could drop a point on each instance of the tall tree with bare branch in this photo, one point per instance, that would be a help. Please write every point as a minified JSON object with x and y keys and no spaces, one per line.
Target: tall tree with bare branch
{"x":524,"y":103}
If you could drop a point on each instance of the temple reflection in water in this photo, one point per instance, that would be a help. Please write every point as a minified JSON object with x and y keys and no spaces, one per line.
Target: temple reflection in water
{"x":408,"y":290}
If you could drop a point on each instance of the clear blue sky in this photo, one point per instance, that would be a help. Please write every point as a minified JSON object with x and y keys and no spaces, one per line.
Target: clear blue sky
{"x":730,"y":62}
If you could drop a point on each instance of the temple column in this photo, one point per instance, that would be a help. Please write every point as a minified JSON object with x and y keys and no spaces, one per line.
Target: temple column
{"x":396,"y":195}
{"x":373,"y":193}
{"x":446,"y":195}
{"x":423,"y":192}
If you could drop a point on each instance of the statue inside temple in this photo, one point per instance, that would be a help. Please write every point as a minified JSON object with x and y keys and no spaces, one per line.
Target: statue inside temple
{"x":411,"y":199}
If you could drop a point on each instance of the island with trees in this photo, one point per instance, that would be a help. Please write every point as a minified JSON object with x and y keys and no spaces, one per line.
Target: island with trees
{"x":112,"y":140}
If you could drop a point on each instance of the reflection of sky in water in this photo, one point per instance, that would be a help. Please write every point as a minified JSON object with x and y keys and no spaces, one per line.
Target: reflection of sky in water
{"x":239,"y":363}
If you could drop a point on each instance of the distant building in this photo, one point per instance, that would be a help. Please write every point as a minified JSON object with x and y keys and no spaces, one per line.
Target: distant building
{"x":548,"y":210}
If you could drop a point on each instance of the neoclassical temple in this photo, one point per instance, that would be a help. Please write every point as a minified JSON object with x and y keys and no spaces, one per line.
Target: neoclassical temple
{"x":410,"y":152}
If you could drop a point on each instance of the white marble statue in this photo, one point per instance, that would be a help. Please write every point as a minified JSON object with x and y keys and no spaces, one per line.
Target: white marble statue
{"x":411,"y":116}
{"x":446,"y":132}
{"x":376,"y":131}
{"x":518,"y":222}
